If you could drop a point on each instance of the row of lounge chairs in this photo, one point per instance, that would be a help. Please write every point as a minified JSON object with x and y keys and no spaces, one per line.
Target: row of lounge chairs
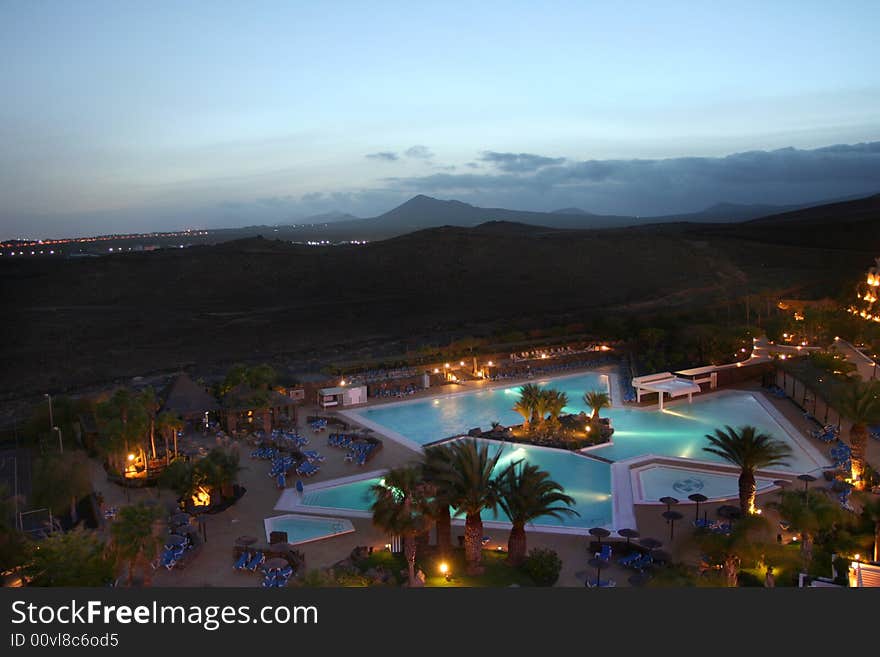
{"x":276,"y":577}
{"x":266,"y":453}
{"x":318,"y":424}
{"x":307,"y":469}
{"x":716,"y":526}
{"x":520,"y":372}
{"x":290,"y":437}
{"x":359,"y":453}
{"x":395,"y":391}
{"x":249,"y":560}
{"x":637,"y":561}
{"x":342,"y":440}
{"x":171,"y":554}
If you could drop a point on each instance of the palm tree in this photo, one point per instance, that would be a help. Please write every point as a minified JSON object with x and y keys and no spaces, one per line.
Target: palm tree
{"x":437,"y":460}
{"x":468,"y":480}
{"x":860,"y":405}
{"x":524,"y":408}
{"x":596,"y":400}
{"x":526,"y":493}
{"x":61,"y":480}
{"x":150,"y":402}
{"x":554,"y":403}
{"x":749,"y":449}
{"x":169,"y":424}
{"x":136,"y":536}
{"x":807,"y":515}
{"x":527,"y":406}
{"x":747,"y":541}
{"x":401,"y":507}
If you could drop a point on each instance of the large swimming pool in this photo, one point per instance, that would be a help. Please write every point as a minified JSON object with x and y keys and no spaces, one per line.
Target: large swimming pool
{"x":679,"y":432}
{"x":427,"y":420}
{"x":587,"y":480}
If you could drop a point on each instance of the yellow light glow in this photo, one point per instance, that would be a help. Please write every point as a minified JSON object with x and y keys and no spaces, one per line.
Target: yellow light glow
{"x":491,"y":363}
{"x":201,"y":497}
{"x":444,"y":568}
{"x":131,"y":457}
{"x":461,"y":362}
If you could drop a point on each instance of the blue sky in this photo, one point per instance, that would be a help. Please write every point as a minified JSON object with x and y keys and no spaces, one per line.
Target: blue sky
{"x":132,"y":116}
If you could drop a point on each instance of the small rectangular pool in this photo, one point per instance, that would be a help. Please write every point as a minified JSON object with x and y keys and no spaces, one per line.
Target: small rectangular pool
{"x":305,"y":529}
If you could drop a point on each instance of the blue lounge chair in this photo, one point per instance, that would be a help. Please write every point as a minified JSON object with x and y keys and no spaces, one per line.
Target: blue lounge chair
{"x":242,"y":561}
{"x":629,"y":559}
{"x":299,"y":486}
{"x":604,"y":553}
{"x":255,"y":562}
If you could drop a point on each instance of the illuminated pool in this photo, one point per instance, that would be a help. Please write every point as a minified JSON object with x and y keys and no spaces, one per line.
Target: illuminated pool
{"x":678,"y":482}
{"x":587,"y":480}
{"x":426,"y":420}
{"x":304,"y":529}
{"x":678,"y":432}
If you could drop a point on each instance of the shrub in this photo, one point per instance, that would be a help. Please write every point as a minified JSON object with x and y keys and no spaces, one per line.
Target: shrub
{"x":543,"y":566}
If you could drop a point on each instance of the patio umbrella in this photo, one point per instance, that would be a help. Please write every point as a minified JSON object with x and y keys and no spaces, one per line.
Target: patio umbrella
{"x":246,"y":540}
{"x":671,"y":517}
{"x":650,"y":543}
{"x":599,"y":533}
{"x":598,"y":564}
{"x":276,"y":563}
{"x":628,"y":534}
{"x":697,"y":498}
{"x":175,"y":539}
{"x":668,"y":501}
{"x":806,"y":478}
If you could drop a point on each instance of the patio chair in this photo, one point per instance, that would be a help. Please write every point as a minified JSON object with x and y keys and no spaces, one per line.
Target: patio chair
{"x":242,"y":561}
{"x":255,"y":561}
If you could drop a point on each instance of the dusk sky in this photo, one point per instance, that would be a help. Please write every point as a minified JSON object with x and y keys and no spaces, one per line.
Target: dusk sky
{"x":129,"y":116}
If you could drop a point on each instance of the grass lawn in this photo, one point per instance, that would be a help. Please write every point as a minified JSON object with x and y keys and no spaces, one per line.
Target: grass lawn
{"x":497,"y":572}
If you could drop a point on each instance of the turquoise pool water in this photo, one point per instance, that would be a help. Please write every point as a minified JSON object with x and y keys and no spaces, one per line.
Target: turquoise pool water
{"x":660,"y":481}
{"x":588,"y":481}
{"x":679,"y":432}
{"x":427,"y":420}
{"x":302,"y":529}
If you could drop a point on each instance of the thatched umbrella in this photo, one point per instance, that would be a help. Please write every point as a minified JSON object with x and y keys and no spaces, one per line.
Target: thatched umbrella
{"x":698,"y":498}
{"x":628,"y":534}
{"x":599,"y":533}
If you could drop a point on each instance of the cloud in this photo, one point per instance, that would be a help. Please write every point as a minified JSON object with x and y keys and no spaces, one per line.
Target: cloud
{"x":419,"y":152}
{"x":660,"y":186}
{"x":385,"y":156}
{"x":519,"y":162}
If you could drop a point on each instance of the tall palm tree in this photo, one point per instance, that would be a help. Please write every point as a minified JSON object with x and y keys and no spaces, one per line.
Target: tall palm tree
{"x":468,"y":478}
{"x":807,"y":516}
{"x":437,"y":461}
{"x":136,"y":535}
{"x":860,"y":405}
{"x":596,"y":400}
{"x":749,"y":449}
{"x":150,"y":402}
{"x":401,"y":506}
{"x":169,"y":424}
{"x":525,"y":493}
{"x":747,"y":541}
